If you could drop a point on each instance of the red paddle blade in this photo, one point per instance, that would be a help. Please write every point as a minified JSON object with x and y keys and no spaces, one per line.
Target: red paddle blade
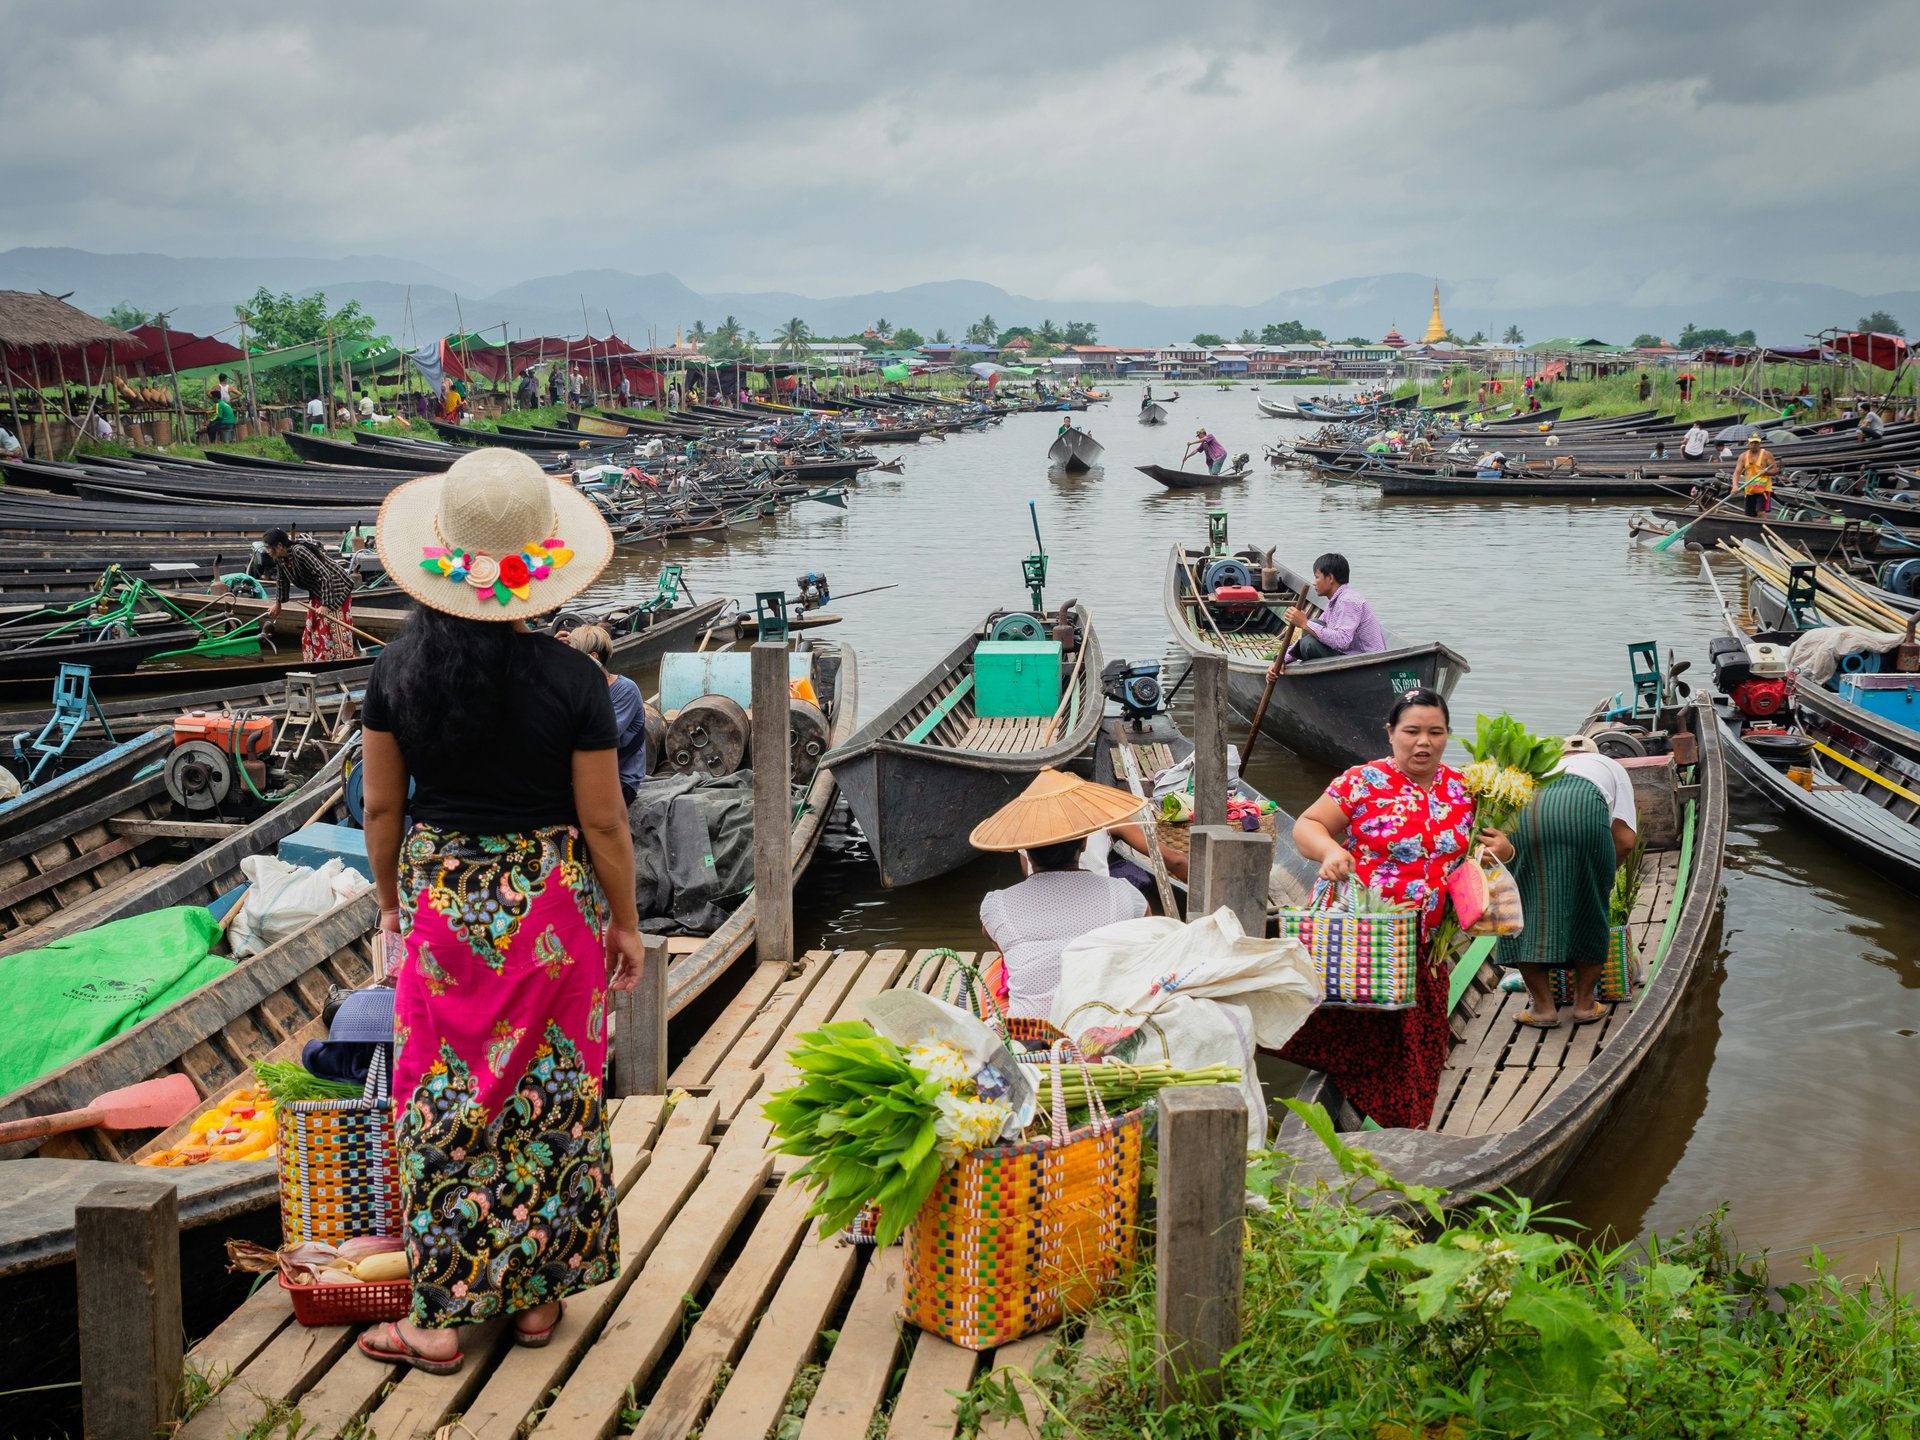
{"x":150,"y":1105}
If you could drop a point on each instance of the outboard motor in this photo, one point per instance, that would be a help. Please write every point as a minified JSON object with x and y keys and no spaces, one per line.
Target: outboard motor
{"x":813,"y":590}
{"x":1135,"y":688}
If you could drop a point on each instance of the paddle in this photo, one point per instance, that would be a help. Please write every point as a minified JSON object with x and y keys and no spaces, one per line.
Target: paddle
{"x":1667,"y":542}
{"x":1273,"y":676}
{"x":150,"y":1105}
{"x":370,"y":639}
{"x":1149,"y":824}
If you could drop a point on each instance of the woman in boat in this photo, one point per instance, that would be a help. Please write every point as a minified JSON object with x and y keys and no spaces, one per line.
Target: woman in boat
{"x":1397,"y":824}
{"x":1569,"y":841}
{"x":629,"y":708}
{"x":500,"y":895}
{"x":328,"y":633}
{"x":1032,"y":922}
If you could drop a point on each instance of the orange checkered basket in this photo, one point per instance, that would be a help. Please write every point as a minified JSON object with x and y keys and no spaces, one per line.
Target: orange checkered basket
{"x":1016,"y":1236}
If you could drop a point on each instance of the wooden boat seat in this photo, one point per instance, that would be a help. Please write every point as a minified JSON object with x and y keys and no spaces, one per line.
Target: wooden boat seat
{"x":1499,"y":1071}
{"x":1006,"y":735}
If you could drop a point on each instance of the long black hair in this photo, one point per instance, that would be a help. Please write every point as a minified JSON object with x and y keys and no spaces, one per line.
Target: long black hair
{"x":447,"y":679}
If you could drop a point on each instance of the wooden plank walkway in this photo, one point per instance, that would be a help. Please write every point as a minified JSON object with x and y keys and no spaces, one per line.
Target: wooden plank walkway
{"x":714,"y":1323}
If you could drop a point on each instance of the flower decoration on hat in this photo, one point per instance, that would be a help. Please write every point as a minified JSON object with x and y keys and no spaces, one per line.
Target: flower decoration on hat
{"x":511,"y":577}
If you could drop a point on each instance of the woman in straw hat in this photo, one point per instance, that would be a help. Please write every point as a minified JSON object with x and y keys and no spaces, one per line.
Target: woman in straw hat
{"x":1032,"y":922}
{"x":512,"y":896}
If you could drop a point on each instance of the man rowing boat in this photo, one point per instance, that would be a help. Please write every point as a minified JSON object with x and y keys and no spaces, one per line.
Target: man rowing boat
{"x":1346,"y":625}
{"x":1210,"y":449}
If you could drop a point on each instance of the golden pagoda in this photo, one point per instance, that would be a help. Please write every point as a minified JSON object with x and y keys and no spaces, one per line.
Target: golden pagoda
{"x":1436,"y":327}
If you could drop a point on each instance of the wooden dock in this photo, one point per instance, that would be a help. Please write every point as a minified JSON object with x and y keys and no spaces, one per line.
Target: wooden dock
{"x":714,"y":1324}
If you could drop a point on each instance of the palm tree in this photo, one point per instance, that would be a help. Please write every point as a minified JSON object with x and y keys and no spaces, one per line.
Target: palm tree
{"x":1513,"y":336}
{"x":795,"y":339}
{"x":698,"y":334}
{"x":883,"y":328}
{"x":1049,"y":332}
{"x":983,"y":330}
{"x":940,"y":338}
{"x":726,"y":337}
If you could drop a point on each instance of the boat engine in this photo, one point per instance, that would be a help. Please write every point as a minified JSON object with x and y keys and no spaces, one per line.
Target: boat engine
{"x":813,"y":590}
{"x":1135,"y":688}
{"x":1754,"y":675}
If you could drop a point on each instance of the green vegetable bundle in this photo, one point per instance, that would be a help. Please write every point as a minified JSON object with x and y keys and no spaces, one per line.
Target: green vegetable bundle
{"x":1123,"y":1087}
{"x":865,"y":1119}
{"x":288,"y":1081}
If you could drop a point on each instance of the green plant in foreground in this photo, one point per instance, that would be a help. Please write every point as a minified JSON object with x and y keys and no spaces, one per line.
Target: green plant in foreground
{"x":1487,"y":1320}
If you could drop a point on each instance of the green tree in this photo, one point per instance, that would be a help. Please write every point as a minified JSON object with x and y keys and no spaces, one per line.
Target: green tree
{"x":726,"y":342}
{"x":1513,"y":336}
{"x":982,"y":331}
{"x":940,"y":338}
{"x":1479,"y":337}
{"x":795,"y":339}
{"x":1246,"y":337}
{"x":1879,"y":322}
{"x":127,"y":317}
{"x":908,"y":338}
{"x":1695,"y":336}
{"x":1048,"y":333}
{"x":883,"y":328}
{"x":1013,"y":332}
{"x":699,"y":335}
{"x":1645,"y":341}
{"x":277,"y":321}
{"x":1206,"y":340}
{"x":1356,"y":340}
{"x":1291,"y":332}
{"x":1081,"y":332}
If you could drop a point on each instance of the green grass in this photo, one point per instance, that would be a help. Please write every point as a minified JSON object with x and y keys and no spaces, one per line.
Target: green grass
{"x":1489,"y":1322}
{"x":1716,"y":390}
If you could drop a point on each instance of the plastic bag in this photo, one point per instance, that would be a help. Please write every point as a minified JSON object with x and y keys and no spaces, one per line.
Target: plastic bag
{"x":282,"y":898}
{"x":1501,"y":915}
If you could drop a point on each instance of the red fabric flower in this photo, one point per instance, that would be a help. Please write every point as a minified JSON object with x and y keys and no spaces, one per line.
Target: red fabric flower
{"x":513,"y":572}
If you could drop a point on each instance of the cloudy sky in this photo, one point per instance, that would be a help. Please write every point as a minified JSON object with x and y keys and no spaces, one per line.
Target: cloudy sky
{"x":1173,"y":152}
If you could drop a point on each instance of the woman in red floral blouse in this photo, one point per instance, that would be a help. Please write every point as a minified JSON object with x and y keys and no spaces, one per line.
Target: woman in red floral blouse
{"x":1399,"y":825}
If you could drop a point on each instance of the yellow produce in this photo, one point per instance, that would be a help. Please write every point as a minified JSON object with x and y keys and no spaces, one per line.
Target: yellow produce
{"x":378,"y":1269}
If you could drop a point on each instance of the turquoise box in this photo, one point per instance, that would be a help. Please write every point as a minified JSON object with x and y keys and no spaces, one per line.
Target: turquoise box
{"x":1016,"y":678}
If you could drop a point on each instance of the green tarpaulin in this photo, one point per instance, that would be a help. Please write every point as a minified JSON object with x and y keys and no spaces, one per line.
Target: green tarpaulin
{"x":896,"y":372}
{"x":78,"y":992}
{"x":345,"y":352}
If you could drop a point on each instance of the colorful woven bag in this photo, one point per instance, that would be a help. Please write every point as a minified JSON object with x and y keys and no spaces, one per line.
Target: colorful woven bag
{"x":1366,"y":960}
{"x":1617,"y":976}
{"x":339,"y":1174}
{"x":1016,"y":1236}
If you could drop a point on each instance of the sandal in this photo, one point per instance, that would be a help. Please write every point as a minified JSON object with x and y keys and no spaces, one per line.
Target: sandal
{"x":1579,"y":1019}
{"x":1533,"y":1022}
{"x":398,"y":1352}
{"x":535,"y":1339}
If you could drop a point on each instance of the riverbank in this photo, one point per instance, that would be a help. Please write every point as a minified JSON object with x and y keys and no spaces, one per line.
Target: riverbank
{"x":1716,"y":390}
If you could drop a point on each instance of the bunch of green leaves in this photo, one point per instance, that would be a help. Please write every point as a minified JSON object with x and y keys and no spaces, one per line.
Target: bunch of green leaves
{"x":288,"y":1081}
{"x":864,"y":1119}
{"x":1505,"y":741}
{"x":1626,"y":885}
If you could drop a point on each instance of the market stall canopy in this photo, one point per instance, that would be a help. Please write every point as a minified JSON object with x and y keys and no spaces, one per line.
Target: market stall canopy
{"x":32,"y":323}
{"x":1883,"y":352}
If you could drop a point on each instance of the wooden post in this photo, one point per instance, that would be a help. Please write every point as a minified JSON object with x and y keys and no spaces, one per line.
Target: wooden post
{"x":1202,"y":1208}
{"x":772,"y":804}
{"x":640,"y":1027}
{"x":127,"y":1249}
{"x":1210,"y":720}
{"x":1230,"y":867}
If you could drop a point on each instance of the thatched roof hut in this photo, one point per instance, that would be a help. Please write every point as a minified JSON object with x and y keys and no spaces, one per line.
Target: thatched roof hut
{"x":42,"y":322}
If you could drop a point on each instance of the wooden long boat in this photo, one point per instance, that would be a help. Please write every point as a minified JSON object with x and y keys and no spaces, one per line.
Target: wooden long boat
{"x":1191,"y":479}
{"x":921,"y":774}
{"x":1560,"y":486}
{"x":1075,"y":451}
{"x":1820,"y":539}
{"x":516,"y":440}
{"x":35,"y":658}
{"x":106,"y":776}
{"x":1516,"y":1105}
{"x":1153,"y":413}
{"x":1332,"y":710}
{"x":362,"y":457}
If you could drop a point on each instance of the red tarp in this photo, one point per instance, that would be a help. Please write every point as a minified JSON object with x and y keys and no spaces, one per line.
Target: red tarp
{"x":148,"y":355}
{"x":1883,"y":352}
{"x":1779,"y":354}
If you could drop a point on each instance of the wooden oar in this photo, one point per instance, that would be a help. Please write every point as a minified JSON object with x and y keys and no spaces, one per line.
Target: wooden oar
{"x":1273,"y":676}
{"x":1667,"y":542}
{"x":370,"y":639}
{"x":150,"y":1105}
{"x":1149,"y":826}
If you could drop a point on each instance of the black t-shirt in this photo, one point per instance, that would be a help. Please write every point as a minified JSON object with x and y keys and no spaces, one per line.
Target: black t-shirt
{"x":520,"y":778}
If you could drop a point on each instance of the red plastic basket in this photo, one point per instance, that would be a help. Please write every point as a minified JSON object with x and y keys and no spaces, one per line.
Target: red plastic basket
{"x":362,"y":1303}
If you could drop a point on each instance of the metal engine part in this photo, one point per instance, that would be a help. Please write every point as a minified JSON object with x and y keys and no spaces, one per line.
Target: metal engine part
{"x":710,"y":736}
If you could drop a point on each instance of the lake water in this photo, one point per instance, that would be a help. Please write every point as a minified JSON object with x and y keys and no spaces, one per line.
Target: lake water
{"x":1785,"y":1088}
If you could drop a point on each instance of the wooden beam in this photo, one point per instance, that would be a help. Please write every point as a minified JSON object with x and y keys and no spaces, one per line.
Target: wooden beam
{"x":1202,"y":1204}
{"x":143,"y":829}
{"x":1230,"y":867}
{"x":127,"y":1249}
{"x":640,"y":1027}
{"x":1210,"y":721}
{"x":772,"y":804}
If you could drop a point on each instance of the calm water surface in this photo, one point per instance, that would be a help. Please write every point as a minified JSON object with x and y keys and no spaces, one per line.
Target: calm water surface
{"x":1787,"y":1086}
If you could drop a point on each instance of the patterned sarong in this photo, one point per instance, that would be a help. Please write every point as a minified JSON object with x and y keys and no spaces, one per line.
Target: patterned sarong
{"x":326,"y":637}
{"x":1563,"y":863}
{"x":500,"y":1046}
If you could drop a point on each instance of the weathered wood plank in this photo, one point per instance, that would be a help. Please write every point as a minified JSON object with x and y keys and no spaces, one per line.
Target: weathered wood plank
{"x":741,"y":1076}
{"x":858,"y":1372}
{"x":1022,"y":1357}
{"x":699,"y":1063}
{"x":285,"y":1369}
{"x":127,"y":1267}
{"x":927,"y":1408}
{"x":243,"y":1334}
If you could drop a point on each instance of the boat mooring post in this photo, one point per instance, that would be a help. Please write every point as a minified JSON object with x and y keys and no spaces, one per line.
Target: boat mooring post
{"x":1210,"y":720}
{"x":1230,"y":867}
{"x":132,"y":1345}
{"x":772,"y":804}
{"x":640,"y":1027}
{"x":1197,"y":1240}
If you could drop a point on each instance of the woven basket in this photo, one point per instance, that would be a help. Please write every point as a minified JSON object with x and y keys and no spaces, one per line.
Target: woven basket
{"x":339,"y":1173}
{"x":365,"y":1303}
{"x":1617,"y":976}
{"x":1365,"y":961}
{"x":1016,"y":1236}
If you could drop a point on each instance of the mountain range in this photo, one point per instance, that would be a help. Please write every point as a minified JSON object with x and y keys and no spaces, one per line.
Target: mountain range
{"x":409,"y":299}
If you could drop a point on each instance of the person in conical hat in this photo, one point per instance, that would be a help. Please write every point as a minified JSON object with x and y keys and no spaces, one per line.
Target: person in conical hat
{"x":1032,"y":922}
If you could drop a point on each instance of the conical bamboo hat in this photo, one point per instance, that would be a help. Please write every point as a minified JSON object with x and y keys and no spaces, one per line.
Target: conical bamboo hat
{"x":1055,"y":808}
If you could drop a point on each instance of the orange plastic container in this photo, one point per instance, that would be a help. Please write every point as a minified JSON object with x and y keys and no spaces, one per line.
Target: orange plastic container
{"x":252,"y":736}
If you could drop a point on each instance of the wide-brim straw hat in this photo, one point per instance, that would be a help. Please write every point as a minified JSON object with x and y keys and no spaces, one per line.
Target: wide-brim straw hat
{"x":1054,"y":809}
{"x":459,"y":542}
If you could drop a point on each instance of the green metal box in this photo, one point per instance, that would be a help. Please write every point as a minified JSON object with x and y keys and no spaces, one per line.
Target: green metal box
{"x":1016,"y":677}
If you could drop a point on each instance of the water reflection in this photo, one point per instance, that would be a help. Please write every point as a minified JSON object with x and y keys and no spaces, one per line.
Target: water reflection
{"x":1784,"y":1084}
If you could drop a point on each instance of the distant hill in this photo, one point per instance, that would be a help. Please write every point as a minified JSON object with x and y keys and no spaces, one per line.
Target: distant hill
{"x":202,"y":293}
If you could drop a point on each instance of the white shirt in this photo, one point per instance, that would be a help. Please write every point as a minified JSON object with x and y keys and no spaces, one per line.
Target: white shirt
{"x":1696,"y":442}
{"x":316,"y":409}
{"x":9,"y":445}
{"x":1032,"y":922}
{"x":1612,"y":779}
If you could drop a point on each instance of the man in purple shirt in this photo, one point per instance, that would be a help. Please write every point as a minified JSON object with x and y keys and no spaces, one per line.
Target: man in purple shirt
{"x":1346,"y":626}
{"x":1210,"y":448}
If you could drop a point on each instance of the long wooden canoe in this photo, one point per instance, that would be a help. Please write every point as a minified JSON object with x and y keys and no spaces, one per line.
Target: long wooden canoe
{"x":1516,"y":1105}
{"x":928,"y":768}
{"x":1074,"y":451}
{"x":1191,"y":479}
{"x":1332,"y":710}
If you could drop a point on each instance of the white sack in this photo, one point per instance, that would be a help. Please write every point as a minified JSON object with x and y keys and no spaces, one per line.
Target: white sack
{"x":1817,"y":653}
{"x":282,"y":898}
